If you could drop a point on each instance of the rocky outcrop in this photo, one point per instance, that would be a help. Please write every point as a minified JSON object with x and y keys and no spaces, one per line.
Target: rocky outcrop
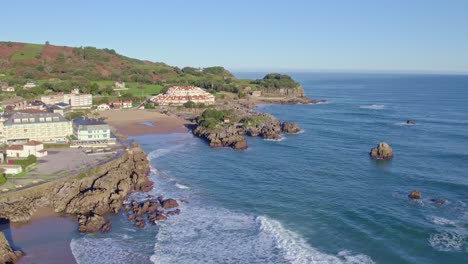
{"x":91,"y":223}
{"x":290,"y":128}
{"x":154,"y":209}
{"x":382,"y":151}
{"x":101,"y":191}
{"x":8,"y":254}
{"x":169,"y":204}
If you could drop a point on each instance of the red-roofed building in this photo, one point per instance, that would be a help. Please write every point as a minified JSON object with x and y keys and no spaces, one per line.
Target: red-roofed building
{"x":34,"y":148}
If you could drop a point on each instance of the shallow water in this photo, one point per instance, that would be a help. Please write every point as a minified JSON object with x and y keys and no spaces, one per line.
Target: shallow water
{"x":316,"y":196}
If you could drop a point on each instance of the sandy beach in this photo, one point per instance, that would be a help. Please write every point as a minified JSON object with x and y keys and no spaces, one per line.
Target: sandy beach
{"x":143,"y":122}
{"x":47,"y":234}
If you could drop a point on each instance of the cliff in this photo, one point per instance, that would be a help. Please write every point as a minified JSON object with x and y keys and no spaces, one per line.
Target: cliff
{"x":99,"y":192}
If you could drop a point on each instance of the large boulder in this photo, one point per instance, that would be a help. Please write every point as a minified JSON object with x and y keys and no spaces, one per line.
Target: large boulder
{"x":8,"y":254}
{"x":91,"y":223}
{"x":382,"y":151}
{"x":240,"y":144}
{"x":169,"y":204}
{"x":410,"y":122}
{"x":290,"y":128}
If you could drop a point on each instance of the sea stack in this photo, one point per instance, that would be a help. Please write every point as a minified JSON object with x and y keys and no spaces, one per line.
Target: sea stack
{"x":382,"y":151}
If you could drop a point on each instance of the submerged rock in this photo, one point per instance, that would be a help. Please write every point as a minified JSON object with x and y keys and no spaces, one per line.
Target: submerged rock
{"x":290,"y":128}
{"x":382,"y":151}
{"x":8,"y":254}
{"x":415,"y":195}
{"x":410,"y":122}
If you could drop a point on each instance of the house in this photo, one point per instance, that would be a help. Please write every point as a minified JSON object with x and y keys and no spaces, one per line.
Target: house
{"x":127,"y":104}
{"x":11,"y":169}
{"x":29,"y":85}
{"x":44,"y":127}
{"x":116,"y":105}
{"x":34,"y":148}
{"x":90,"y":129}
{"x":8,"y":89}
{"x":103,"y":107}
{"x":226,"y":120}
{"x":119,"y":85}
{"x":246,"y":88}
{"x":179,"y":95}
{"x":256,"y":93}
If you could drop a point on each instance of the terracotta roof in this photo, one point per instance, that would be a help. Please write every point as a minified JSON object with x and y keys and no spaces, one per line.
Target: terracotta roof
{"x":15,"y":147}
{"x":33,"y":143}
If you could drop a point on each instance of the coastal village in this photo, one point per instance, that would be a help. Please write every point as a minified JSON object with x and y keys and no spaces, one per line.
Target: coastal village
{"x":41,"y":141}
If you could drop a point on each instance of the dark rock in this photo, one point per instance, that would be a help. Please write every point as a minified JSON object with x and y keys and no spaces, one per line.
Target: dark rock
{"x":382,"y":151}
{"x":106,"y":227}
{"x":132,"y":217}
{"x":174,"y":212}
{"x":290,"y":128}
{"x":415,"y":195}
{"x":160,"y":217}
{"x":91,"y":223}
{"x":140,"y":224}
{"x":241,"y":144}
{"x":169,"y":204}
{"x":410,"y":122}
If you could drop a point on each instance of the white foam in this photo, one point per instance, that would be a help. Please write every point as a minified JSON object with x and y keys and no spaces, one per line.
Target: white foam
{"x":373,"y":107}
{"x":103,"y":251}
{"x":181,"y":186}
{"x":276,"y":140}
{"x":323,"y":102}
{"x":217,"y":235}
{"x":296,"y":250}
{"x":441,"y":221}
{"x":449,"y":241}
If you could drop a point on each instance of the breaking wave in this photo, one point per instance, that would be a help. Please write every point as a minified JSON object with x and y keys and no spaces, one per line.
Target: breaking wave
{"x":373,"y":107}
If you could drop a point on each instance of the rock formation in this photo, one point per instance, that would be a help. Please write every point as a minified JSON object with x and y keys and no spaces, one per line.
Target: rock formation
{"x":382,"y":151}
{"x":8,"y":254}
{"x":290,"y":128}
{"x":415,"y":195}
{"x":410,"y":122}
{"x":232,"y":135}
{"x":101,"y":191}
{"x":150,"y":208}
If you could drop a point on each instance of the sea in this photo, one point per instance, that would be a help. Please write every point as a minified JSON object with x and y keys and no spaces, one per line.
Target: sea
{"x":316,"y":196}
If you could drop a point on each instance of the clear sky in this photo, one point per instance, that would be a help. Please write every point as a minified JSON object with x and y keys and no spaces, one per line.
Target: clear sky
{"x":350,"y":35}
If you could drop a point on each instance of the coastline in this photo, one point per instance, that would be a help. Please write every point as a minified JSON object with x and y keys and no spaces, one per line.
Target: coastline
{"x":47,"y":229}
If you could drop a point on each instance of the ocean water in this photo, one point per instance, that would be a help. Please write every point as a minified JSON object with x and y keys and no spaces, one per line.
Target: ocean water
{"x":315,"y":197}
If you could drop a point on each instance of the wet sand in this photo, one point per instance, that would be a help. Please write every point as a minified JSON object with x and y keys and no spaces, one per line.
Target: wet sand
{"x":143,"y":122}
{"x":44,"y":239}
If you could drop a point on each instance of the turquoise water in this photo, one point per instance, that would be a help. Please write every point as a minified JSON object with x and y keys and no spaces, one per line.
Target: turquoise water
{"x":316,"y":197}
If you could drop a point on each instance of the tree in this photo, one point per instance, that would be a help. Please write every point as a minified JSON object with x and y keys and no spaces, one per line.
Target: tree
{"x":47,"y":43}
{"x":190,"y":104}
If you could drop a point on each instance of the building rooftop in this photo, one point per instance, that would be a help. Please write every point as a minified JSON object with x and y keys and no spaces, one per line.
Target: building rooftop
{"x":84,"y":121}
{"x":31,"y":118}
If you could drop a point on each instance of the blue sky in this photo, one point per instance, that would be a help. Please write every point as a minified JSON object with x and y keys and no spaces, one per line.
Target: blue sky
{"x":360,"y":35}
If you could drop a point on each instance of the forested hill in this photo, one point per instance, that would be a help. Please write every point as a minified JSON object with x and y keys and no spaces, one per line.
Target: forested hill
{"x":81,"y":66}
